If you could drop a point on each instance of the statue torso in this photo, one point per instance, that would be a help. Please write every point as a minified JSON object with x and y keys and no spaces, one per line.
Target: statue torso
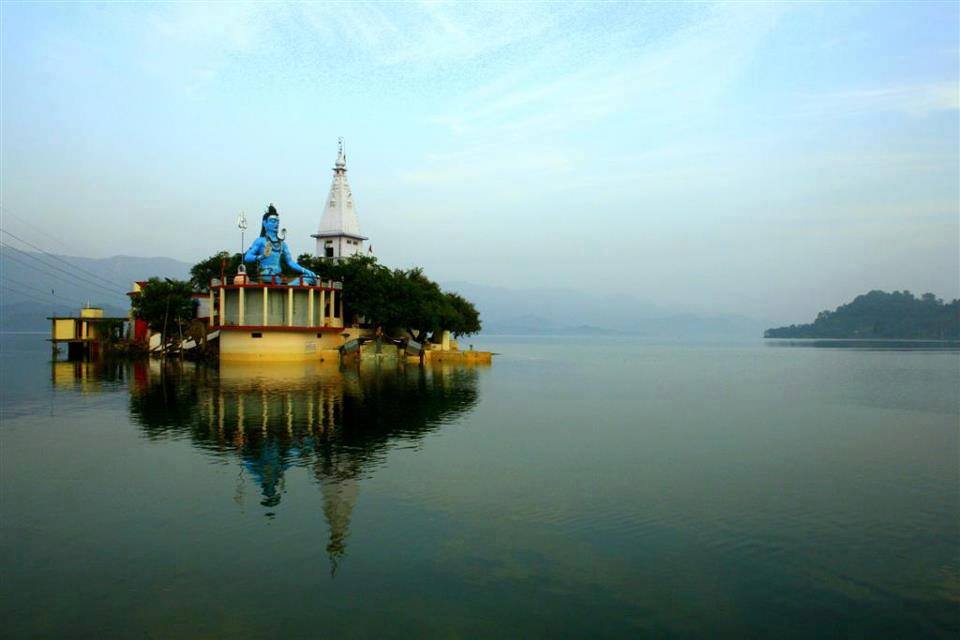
{"x":272,"y":250}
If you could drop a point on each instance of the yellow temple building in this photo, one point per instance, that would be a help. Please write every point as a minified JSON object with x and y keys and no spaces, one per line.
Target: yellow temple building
{"x":278,"y":322}
{"x":86,"y":334}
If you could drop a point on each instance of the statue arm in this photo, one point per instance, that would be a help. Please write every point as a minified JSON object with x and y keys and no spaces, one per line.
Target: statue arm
{"x":293,"y":263}
{"x":255,"y":252}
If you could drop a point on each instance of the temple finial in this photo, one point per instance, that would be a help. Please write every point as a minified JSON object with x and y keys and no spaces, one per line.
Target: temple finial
{"x":341,"y":157}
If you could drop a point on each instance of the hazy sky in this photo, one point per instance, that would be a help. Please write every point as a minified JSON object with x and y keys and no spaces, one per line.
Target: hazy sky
{"x":769,"y":159}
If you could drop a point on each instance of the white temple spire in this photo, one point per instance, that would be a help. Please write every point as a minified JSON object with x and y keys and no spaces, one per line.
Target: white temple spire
{"x":339,"y":233}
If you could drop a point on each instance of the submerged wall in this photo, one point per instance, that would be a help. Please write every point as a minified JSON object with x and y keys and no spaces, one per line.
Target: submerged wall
{"x":266,"y":345}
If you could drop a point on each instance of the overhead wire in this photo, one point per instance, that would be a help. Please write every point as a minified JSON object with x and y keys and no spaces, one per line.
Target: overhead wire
{"x":77,"y":280}
{"x":59,"y":259}
{"x":30,"y":296}
{"x":40,"y":295}
{"x":21,"y":288}
{"x":77,"y":277}
{"x":44,"y":232}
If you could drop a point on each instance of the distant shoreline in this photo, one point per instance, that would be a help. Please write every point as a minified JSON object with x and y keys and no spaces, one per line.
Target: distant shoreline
{"x":809,"y":339}
{"x":878,"y":315}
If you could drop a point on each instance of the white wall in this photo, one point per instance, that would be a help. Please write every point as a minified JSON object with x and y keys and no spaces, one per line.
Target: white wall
{"x":342,"y":247}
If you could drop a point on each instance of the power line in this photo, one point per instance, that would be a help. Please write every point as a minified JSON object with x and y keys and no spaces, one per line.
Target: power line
{"x":27,"y":223}
{"x":58,"y":259}
{"x":30,"y":296}
{"x":27,"y":296}
{"x":19,"y":287}
{"x":36,"y":258}
{"x":35,"y":293}
{"x":64,"y":271}
{"x":78,"y":279}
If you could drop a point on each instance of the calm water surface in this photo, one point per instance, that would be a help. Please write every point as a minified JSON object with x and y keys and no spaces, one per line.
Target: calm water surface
{"x":625,"y":489}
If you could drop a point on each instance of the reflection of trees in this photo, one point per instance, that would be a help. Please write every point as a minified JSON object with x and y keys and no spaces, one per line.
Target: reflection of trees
{"x":164,"y":399}
{"x":337,"y":424}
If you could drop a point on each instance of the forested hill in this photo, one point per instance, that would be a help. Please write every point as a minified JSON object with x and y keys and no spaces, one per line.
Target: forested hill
{"x":879,"y":314}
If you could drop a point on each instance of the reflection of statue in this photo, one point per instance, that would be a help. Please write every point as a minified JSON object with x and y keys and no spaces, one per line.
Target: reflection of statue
{"x":267,"y":463}
{"x":269,"y":247}
{"x":337,"y":424}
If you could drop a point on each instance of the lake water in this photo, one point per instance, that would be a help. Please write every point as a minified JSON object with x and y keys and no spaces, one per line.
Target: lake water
{"x":620,"y":489}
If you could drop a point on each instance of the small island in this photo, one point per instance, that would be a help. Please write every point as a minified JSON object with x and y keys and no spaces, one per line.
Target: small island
{"x":337,"y":305}
{"x":881,"y":315}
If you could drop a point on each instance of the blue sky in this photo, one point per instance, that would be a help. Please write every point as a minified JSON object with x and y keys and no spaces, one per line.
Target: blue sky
{"x":772,"y":159}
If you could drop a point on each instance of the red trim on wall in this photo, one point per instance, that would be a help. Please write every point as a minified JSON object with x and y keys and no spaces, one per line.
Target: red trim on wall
{"x":260,"y":285}
{"x":274,"y":327}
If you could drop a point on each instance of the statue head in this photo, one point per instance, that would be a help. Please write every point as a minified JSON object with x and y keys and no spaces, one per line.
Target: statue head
{"x":271,"y":221}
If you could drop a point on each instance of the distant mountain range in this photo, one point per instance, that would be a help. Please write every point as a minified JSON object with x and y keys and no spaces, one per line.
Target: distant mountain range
{"x":35,"y":286}
{"x":568,"y":311}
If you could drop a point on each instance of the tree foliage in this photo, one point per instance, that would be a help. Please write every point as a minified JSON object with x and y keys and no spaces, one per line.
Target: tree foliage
{"x":879,"y":314}
{"x":464,"y":319}
{"x":166,"y":305}
{"x":215,"y":266}
{"x":405,"y":300}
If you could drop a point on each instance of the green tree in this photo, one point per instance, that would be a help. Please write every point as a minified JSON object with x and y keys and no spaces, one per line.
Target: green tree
{"x":216,"y":266}
{"x":327,"y":268}
{"x":422,"y":305}
{"x":369,"y":292}
{"x":404,"y":300}
{"x":166,"y":305}
{"x":426,"y":309}
{"x":369,"y":287}
{"x":463,"y":318}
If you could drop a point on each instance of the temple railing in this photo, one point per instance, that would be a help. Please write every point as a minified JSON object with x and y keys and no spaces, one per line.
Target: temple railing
{"x":277,"y":305}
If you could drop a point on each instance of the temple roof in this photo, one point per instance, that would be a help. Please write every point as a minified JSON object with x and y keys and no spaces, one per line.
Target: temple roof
{"x":339,"y":214}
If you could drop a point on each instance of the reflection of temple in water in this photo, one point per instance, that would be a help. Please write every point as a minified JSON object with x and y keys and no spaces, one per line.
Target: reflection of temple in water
{"x":336,"y":424}
{"x":87,"y":376}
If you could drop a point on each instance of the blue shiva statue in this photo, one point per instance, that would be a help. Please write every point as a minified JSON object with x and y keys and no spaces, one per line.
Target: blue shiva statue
{"x":267,"y":249}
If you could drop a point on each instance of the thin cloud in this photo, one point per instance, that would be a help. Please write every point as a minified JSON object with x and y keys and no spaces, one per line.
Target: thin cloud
{"x":918,"y":100}
{"x":542,"y":104}
{"x":210,"y":36}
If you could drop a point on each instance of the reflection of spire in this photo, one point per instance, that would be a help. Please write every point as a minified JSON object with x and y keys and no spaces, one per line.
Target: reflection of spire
{"x":268,"y":466}
{"x":238,"y":493}
{"x":339,"y":498}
